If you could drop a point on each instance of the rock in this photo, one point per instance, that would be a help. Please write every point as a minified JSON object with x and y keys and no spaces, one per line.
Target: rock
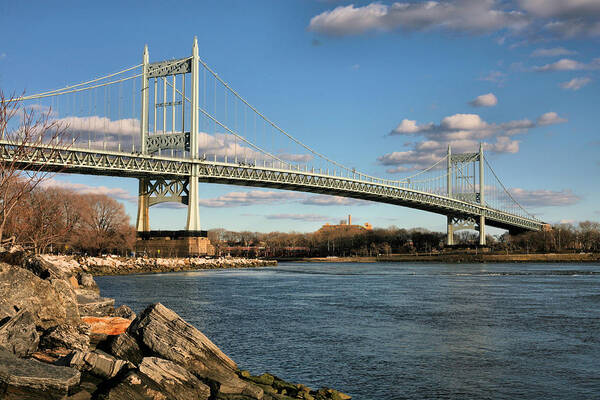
{"x":133,"y":386}
{"x":94,"y":305}
{"x":107,"y":325}
{"x":264,"y":379}
{"x":19,"y":335}
{"x":72,"y":337}
{"x":14,"y":256}
{"x":83,"y":395}
{"x":126,"y":348}
{"x":96,"y":362}
{"x":124,"y":311}
{"x":43,"y":268}
{"x":326,"y":393}
{"x":22,"y":289}
{"x":174,"y":380}
{"x":169,"y":336}
{"x":86,"y":281}
{"x":284,"y":387}
{"x":30,"y":379}
{"x":68,"y":299}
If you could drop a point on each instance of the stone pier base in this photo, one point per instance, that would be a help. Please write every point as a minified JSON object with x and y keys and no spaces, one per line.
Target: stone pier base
{"x":174,"y":244}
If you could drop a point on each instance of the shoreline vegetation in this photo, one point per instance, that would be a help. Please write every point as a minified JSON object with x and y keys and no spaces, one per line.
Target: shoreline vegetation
{"x":60,"y":339}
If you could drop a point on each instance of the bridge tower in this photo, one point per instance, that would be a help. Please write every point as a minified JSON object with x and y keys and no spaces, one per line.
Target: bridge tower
{"x":465,"y":182}
{"x":168,"y":81}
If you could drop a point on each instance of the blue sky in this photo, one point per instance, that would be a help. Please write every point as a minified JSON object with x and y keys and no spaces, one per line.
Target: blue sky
{"x":380,"y":86}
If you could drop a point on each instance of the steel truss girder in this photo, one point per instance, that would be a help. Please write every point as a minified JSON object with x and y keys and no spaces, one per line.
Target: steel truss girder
{"x":170,"y":67}
{"x":464,"y":158}
{"x":162,"y":190}
{"x":464,"y":223}
{"x":83,"y":161}
{"x":168,"y":141}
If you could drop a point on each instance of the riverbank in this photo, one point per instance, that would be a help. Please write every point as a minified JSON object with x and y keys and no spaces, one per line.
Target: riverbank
{"x":457,"y":258}
{"x":112,"y":265}
{"x":60,"y":339}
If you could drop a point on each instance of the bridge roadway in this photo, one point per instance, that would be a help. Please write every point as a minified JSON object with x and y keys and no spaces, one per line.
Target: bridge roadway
{"x":135,"y":165}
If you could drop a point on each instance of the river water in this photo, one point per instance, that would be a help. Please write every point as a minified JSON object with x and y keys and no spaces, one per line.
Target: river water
{"x":397,"y":331}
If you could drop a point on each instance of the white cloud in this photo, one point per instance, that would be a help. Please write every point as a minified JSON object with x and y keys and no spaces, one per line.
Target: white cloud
{"x":532,"y":18}
{"x":562,"y":8}
{"x":553,"y":52}
{"x":452,"y":15}
{"x":117,"y":193}
{"x":550,"y":118}
{"x":240,"y":199}
{"x":567,"y":64}
{"x":410,"y":126}
{"x":497,"y":77}
{"x":2,"y":56}
{"x":237,"y":199}
{"x":463,"y":132}
{"x":324,"y":200}
{"x":575,"y":83}
{"x":544,"y":198}
{"x":485,"y":100}
{"x":299,"y":217}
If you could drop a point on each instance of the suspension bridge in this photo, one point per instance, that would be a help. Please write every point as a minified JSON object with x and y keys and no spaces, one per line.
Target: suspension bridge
{"x":174,"y":123}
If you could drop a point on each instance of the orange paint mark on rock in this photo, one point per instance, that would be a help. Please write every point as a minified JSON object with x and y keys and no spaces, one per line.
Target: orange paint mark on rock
{"x":107,"y":325}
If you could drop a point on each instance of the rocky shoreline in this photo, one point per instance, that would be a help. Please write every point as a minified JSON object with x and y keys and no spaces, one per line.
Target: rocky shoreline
{"x":112,"y":265}
{"x":59,"y":339}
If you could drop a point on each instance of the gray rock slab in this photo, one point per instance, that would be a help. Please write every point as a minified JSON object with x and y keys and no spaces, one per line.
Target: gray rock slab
{"x":18,"y":335}
{"x":174,"y":380}
{"x":30,"y":379}
{"x":22,"y":289}
{"x":97,"y":363}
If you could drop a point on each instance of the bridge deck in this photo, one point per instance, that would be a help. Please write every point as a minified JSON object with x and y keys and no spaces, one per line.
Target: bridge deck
{"x":108,"y":163}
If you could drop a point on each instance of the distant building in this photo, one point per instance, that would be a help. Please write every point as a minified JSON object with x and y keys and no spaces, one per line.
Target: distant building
{"x":346,"y":226}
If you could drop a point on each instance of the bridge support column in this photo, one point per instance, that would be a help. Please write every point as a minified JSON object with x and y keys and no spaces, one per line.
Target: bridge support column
{"x":481,"y":196}
{"x":450,"y":230}
{"x":482,"y":230}
{"x":193,"y":217}
{"x":143,"y":218}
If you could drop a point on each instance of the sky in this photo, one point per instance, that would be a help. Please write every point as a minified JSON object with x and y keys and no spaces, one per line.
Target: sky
{"x":382,"y":86}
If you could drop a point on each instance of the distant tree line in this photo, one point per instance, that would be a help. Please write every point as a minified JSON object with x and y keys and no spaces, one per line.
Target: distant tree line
{"x":584,"y":236}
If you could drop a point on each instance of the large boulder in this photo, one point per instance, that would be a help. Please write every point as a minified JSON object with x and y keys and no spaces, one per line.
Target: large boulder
{"x":71,"y":337}
{"x":22,"y":289}
{"x":167,"y":335}
{"x":22,"y":379}
{"x":18,"y":335}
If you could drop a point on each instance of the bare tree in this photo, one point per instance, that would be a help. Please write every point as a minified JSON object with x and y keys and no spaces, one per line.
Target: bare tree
{"x":20,"y":127}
